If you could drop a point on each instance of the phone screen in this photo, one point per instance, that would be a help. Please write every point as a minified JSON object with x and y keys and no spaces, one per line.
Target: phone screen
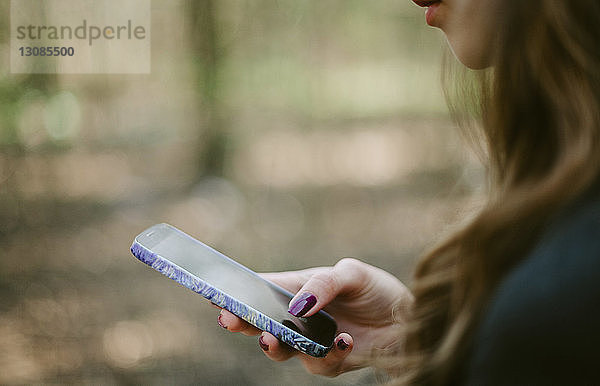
{"x":235,"y":280}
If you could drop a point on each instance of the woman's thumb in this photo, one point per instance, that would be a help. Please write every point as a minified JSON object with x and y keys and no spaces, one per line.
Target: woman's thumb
{"x":324,"y":286}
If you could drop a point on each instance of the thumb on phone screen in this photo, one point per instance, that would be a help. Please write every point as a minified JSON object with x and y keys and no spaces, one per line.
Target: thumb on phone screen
{"x":325,"y":285}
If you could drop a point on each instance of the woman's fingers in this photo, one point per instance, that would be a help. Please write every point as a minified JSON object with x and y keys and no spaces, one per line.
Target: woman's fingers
{"x":275,"y":349}
{"x":323,"y":286}
{"x":314,"y":289}
{"x":230,"y":322}
{"x":271,"y":346}
{"x":333,"y":363}
{"x":292,"y":280}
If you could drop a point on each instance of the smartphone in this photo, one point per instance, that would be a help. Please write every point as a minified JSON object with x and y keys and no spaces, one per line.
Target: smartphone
{"x":232,"y":286}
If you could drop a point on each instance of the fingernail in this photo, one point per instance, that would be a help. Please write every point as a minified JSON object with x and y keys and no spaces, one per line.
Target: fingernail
{"x":262,"y":344}
{"x":305,"y":302}
{"x":342,"y":345}
{"x":221,"y":322}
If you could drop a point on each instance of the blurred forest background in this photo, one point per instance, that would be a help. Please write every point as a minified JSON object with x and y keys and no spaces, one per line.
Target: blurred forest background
{"x":285,"y":133}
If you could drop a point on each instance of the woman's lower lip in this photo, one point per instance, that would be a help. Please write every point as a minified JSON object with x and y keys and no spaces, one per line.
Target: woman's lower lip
{"x":430,"y":14}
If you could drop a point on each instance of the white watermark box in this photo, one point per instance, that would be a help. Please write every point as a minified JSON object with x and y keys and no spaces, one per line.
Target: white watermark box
{"x":80,"y":36}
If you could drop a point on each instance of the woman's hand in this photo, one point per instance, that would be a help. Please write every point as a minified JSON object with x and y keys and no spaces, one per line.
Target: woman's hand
{"x":367,"y":303}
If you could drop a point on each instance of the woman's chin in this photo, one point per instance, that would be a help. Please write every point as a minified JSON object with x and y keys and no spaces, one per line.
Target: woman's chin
{"x":470,"y":58}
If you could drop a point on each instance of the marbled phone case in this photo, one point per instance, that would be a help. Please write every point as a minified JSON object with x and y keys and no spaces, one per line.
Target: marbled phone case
{"x":245,"y":312}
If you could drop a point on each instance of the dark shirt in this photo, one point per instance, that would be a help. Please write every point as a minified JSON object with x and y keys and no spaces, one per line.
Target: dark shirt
{"x":542,"y":325}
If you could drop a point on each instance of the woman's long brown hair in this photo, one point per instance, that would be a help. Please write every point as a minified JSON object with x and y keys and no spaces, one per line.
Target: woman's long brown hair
{"x":540,"y":119}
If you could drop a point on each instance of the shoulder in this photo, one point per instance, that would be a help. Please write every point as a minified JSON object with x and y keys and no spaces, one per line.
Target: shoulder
{"x":542,"y":324}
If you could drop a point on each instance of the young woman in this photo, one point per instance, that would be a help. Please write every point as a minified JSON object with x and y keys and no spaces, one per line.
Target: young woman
{"x":514,"y":296}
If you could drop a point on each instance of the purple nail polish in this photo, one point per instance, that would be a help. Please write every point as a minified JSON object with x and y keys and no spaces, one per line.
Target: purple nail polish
{"x":262,"y":344}
{"x":221,"y":322}
{"x":303,"y":304}
{"x":342,"y":345}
